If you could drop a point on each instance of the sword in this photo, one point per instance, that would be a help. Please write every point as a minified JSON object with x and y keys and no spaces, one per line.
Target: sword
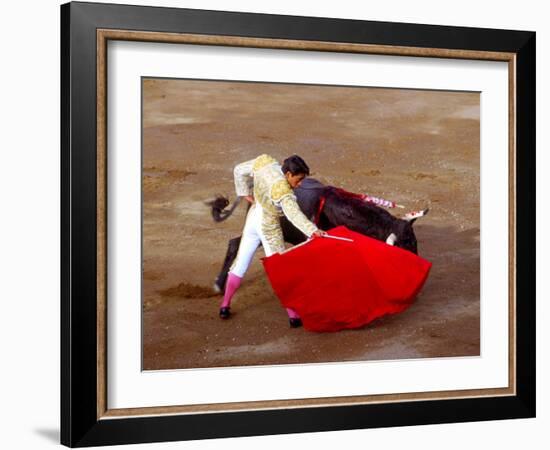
{"x":337,"y":237}
{"x":309,"y":240}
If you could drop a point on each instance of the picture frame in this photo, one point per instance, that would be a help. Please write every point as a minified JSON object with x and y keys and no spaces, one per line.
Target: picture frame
{"x":86,"y":28}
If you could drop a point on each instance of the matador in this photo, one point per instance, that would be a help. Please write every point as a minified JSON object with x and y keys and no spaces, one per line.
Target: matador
{"x":268,"y":186}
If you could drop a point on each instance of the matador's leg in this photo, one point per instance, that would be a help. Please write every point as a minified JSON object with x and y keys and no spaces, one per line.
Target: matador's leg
{"x":250,"y":241}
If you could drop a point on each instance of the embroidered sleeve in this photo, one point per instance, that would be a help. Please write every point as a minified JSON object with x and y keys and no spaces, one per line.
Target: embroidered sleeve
{"x":243,"y":178}
{"x":280,"y":189}
{"x":262,"y":161}
{"x":293,"y":213}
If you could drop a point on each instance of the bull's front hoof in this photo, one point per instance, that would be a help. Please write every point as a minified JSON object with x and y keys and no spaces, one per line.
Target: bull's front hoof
{"x":295,"y":322}
{"x":225,"y":313}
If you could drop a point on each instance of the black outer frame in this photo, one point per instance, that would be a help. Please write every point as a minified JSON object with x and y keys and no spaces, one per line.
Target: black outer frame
{"x":79,"y":423}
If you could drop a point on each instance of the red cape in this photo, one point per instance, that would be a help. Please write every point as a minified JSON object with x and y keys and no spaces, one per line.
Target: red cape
{"x":334,"y":284}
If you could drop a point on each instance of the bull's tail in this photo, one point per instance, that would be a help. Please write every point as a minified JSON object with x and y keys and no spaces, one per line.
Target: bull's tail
{"x":218,"y":205}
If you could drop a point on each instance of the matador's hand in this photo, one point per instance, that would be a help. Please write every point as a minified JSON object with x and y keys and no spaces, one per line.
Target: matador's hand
{"x":319,"y":233}
{"x":249,"y":198}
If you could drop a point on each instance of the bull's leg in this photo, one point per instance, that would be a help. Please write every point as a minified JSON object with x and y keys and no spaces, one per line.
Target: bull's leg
{"x":230,"y":255}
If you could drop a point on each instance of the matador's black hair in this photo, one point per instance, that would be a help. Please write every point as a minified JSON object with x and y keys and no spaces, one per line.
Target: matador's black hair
{"x":295,"y":165}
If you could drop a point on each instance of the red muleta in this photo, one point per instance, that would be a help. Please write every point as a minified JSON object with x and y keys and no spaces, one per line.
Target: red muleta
{"x":337,"y":284}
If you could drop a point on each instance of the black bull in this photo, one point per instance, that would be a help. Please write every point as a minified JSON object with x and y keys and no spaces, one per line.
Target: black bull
{"x":338,"y":209}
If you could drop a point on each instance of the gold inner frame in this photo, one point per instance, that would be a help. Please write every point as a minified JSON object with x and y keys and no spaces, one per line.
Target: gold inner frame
{"x":103,"y":36}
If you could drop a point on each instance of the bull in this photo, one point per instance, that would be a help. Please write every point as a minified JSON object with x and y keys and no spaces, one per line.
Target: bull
{"x":329,"y":207}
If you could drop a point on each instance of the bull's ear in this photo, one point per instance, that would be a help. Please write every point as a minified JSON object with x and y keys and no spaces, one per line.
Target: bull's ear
{"x":413,"y":220}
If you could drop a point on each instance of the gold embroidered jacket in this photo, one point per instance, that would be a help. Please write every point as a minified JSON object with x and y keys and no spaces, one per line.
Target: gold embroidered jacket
{"x":263,"y":178}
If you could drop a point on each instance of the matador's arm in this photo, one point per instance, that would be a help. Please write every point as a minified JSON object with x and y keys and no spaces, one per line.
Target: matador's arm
{"x":244,"y":182}
{"x":282,"y":194}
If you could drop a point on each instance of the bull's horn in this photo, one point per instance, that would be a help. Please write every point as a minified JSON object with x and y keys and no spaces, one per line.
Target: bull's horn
{"x":392,"y":238}
{"x":413,"y":215}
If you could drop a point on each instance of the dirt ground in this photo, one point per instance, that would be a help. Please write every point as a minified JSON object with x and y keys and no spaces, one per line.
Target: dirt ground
{"x":418,"y":148}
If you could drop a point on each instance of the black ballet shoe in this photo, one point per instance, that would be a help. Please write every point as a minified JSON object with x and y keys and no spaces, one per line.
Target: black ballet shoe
{"x":225,"y":312}
{"x":295,"y":322}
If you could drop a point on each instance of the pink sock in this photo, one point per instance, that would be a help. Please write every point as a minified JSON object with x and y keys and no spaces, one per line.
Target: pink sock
{"x":231,"y":286}
{"x":292,"y":314}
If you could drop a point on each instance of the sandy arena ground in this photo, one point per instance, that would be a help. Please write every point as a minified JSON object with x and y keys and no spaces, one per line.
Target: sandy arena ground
{"x":418,"y":148}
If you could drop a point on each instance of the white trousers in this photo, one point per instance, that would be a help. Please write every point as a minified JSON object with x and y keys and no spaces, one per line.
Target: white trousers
{"x":251,"y":238}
